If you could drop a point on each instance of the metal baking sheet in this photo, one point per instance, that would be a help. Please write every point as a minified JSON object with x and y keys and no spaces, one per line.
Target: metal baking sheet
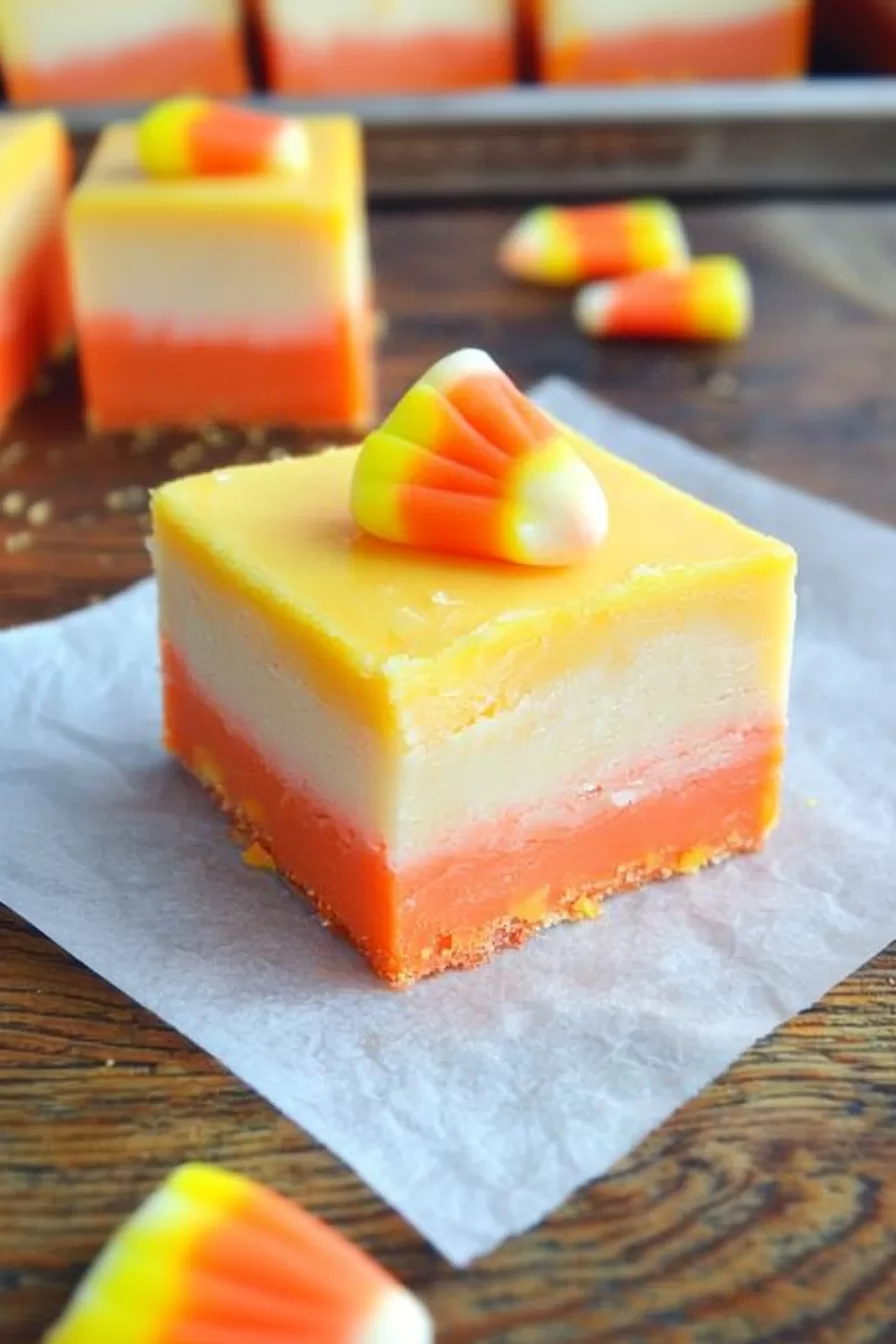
{"x":816,"y":135}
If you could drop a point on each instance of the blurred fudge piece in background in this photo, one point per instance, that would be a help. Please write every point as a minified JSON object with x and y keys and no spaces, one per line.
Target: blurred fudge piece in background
{"x":635,"y":41}
{"x":406,"y":46}
{"x":84,"y":51}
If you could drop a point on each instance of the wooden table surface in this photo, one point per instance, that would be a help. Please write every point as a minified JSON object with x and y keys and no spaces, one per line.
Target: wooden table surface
{"x":765,"y":1210}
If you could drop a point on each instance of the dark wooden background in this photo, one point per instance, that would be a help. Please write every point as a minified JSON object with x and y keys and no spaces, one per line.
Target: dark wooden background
{"x":765,"y":1210}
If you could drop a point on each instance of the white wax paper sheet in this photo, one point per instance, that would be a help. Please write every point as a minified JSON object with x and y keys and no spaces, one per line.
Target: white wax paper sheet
{"x":476,"y":1102}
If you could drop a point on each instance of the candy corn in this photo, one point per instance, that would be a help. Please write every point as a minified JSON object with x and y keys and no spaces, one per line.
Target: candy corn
{"x":195,"y":137}
{"x":466,"y":464}
{"x":595,"y":242}
{"x":213,"y":1258}
{"x":708,"y":300}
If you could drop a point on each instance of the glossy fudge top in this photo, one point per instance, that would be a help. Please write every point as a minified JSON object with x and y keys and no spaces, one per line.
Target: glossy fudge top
{"x":114,"y":181}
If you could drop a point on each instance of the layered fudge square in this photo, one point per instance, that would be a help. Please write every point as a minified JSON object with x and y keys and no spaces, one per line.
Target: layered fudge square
{"x":407,"y":46}
{"x":447,"y":753}
{"x":634,"y":41}
{"x":88,"y":51}
{"x":35,"y":308}
{"x":243,"y":298}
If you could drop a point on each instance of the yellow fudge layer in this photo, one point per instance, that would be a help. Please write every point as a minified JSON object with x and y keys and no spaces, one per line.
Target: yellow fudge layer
{"x":417,"y":647}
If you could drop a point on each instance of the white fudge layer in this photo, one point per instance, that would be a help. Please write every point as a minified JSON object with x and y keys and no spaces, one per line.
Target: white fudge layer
{"x":47,"y":33}
{"x":596,"y":734}
{"x":571,"y":20}
{"x":389,"y":20}
{"x":264,"y":282}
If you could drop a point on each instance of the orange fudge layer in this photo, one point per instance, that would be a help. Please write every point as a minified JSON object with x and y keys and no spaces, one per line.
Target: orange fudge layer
{"x":107,"y":50}
{"x":768,"y":45}
{"x":355,"y":47}
{"x":256,"y":308}
{"x":435,"y":63}
{"x":446,"y":754}
{"x":318,"y":378}
{"x":35,"y":307}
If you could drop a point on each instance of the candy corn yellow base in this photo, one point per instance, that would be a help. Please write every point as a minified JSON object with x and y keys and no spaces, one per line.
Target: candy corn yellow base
{"x":447,"y":754}
{"x":35,"y":307}
{"x":256,"y":308}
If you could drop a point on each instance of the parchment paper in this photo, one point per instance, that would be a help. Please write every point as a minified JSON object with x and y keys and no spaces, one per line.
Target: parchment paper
{"x":476,"y":1102}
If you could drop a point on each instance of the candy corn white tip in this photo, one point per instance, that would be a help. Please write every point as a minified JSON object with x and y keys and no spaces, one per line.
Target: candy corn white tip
{"x":562,"y":513}
{"x":289,"y":152}
{"x":462,"y":364}
{"x":591,"y":307}
{"x":521,"y":252}
{"x":400,"y":1319}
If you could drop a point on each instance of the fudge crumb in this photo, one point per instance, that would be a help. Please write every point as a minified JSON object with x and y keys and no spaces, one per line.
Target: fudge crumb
{"x":213,"y":435}
{"x":256,"y":856}
{"x":187,"y":457}
{"x":12,"y":455}
{"x":130,"y":499}
{"x":723,"y":385}
{"x":105,"y":560}
{"x":246,"y":455}
{"x":95,"y":599}
{"x":40,"y":513}
{"x":13,"y":504}
{"x":17,"y":541}
{"x":277,"y":454}
{"x":257,"y":436}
